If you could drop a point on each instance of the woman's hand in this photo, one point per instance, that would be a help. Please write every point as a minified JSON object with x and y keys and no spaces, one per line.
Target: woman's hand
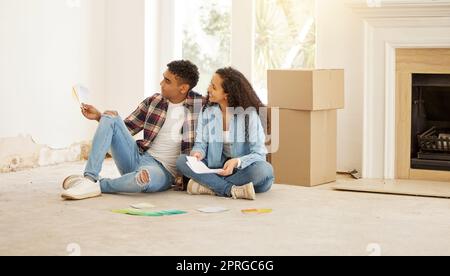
{"x":90,"y":112}
{"x":229,"y":167}
{"x":197,"y":155}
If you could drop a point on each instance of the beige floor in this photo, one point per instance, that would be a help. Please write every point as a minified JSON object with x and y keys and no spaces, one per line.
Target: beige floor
{"x":397,"y":187}
{"x":316,"y":221}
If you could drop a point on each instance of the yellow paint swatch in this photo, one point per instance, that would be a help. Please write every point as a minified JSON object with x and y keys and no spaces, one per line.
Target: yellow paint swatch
{"x":75,"y":95}
{"x":257,"y":211}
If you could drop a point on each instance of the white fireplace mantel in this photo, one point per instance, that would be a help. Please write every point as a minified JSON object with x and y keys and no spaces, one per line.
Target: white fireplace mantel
{"x":396,"y":24}
{"x":400,"y":9}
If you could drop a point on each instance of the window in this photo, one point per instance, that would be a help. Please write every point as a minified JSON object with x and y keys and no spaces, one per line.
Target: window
{"x":284,"y":38}
{"x":206,"y":36}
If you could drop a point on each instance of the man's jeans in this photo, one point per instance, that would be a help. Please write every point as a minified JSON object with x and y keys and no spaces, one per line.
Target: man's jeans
{"x":113,"y":134}
{"x":260,"y":173}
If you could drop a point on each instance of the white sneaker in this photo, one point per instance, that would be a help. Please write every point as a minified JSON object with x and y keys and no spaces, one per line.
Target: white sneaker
{"x":243,"y":192}
{"x":195,"y":188}
{"x":70,"y":181}
{"x":82,"y":189}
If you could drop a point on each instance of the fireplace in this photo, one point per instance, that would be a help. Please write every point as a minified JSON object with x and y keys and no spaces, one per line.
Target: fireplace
{"x":400,"y":39}
{"x":430,"y":122}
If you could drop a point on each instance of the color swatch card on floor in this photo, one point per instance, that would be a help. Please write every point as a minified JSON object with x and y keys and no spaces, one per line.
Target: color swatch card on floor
{"x":142,"y":206}
{"x":141,"y":213}
{"x":211,"y":210}
{"x":199,"y":167}
{"x":257,"y":211}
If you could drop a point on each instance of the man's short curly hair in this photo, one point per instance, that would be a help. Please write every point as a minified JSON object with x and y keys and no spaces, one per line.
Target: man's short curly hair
{"x":186,"y":71}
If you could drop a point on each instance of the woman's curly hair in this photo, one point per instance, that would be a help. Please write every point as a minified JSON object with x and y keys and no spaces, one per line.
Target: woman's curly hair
{"x":241,"y":94}
{"x":238,"y":89}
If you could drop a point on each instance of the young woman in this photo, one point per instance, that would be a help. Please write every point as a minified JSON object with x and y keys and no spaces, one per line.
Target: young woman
{"x":230,"y":137}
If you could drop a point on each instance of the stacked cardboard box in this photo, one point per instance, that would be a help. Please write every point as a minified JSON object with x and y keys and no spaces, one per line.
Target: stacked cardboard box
{"x":308,"y":101}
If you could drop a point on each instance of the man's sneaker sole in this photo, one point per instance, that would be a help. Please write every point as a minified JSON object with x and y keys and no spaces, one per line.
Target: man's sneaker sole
{"x":93,"y":195}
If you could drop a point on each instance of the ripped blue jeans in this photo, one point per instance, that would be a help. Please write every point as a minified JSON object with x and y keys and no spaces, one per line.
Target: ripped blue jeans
{"x":141,"y":173}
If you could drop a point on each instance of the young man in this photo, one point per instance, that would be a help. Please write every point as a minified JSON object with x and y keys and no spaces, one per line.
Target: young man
{"x":168,"y":120}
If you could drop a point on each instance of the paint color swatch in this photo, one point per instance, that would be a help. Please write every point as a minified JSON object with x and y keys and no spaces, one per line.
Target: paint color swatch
{"x":80,"y":94}
{"x":142,"y":206}
{"x":257,"y":211}
{"x":212,"y":210}
{"x":142,"y":213}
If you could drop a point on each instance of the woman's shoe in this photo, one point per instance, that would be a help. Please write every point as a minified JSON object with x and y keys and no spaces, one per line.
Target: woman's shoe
{"x":243,"y":192}
{"x":194,"y":188}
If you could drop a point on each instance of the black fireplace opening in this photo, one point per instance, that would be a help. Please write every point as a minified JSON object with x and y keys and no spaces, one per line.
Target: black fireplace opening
{"x":430,"y":135}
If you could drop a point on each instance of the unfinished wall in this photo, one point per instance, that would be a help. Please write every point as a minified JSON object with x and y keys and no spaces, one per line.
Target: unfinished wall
{"x":23,"y":152}
{"x":18,"y":153}
{"x":46,"y":46}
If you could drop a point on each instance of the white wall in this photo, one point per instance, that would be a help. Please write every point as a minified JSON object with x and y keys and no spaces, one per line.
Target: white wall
{"x":125,"y":55}
{"x":340,"y":44}
{"x":46,"y":46}
{"x":153,"y":43}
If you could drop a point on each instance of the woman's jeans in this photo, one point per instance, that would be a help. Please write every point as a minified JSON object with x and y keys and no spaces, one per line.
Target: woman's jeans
{"x":259,"y":173}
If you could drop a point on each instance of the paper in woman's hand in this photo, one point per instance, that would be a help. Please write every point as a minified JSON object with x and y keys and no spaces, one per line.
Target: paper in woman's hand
{"x":199,"y":167}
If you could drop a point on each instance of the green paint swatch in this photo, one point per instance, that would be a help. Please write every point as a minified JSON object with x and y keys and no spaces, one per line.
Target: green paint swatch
{"x":141,"y":213}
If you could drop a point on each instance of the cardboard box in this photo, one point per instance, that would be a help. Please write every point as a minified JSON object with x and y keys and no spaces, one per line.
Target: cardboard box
{"x":306,"y":89}
{"x":308,"y":102}
{"x":307,"y":150}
